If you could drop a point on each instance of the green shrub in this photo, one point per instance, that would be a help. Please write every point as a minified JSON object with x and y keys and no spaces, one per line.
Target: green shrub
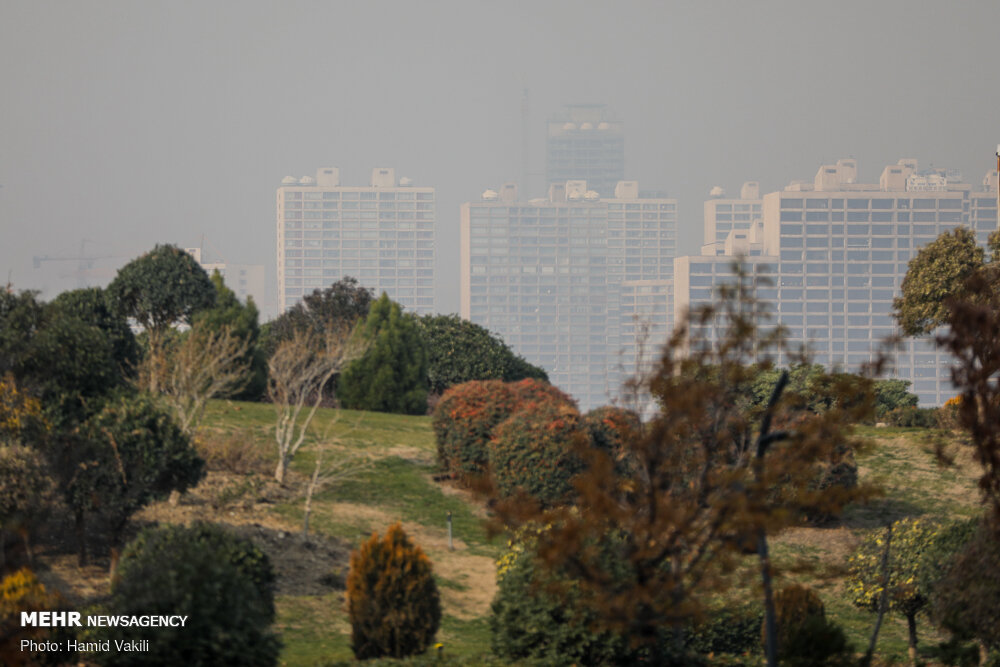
{"x":912,"y":417}
{"x":392,"y":599}
{"x":463,"y":424}
{"x":966,"y":598}
{"x":222,"y":583}
{"x":533,"y":451}
{"x":732,"y":630}
{"x":531,"y":622}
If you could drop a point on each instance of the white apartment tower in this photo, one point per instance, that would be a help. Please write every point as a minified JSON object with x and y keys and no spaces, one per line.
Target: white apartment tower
{"x":836,"y":252}
{"x":382,"y":234}
{"x":570,"y":281}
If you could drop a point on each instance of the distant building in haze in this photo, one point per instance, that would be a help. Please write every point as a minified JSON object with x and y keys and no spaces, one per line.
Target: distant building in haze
{"x":246,"y":280}
{"x":835,"y":252}
{"x":723,"y":215}
{"x":585,"y":143}
{"x":571,"y":281}
{"x":382,"y":234}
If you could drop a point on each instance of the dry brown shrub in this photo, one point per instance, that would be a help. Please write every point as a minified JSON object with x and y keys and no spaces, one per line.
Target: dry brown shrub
{"x":235,"y":452}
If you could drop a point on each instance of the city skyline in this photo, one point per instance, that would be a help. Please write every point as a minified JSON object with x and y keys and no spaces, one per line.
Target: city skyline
{"x":131,"y":124}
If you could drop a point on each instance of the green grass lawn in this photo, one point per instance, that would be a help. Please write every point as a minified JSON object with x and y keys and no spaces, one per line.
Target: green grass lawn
{"x":400,"y":486}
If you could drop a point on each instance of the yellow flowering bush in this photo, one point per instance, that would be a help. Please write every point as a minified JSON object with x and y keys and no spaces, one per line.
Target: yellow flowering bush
{"x":19,"y":412}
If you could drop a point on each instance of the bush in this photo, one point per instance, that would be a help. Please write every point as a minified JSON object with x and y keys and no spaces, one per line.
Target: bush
{"x":805,"y":636}
{"x":531,"y":390}
{"x":530,"y":622}
{"x":463,"y":424}
{"x":21,"y":591}
{"x":222,"y":583}
{"x":466,"y":415}
{"x":236,"y":452}
{"x":912,"y":417}
{"x":608,"y":428}
{"x":392,"y":599}
{"x":733,"y":630}
{"x":966,"y":598}
{"x":533,"y":451}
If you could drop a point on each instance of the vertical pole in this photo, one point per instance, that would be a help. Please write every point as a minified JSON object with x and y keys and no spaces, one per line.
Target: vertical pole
{"x":451,"y":546}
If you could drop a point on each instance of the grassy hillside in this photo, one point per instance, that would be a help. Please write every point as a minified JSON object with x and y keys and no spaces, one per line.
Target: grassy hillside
{"x":400,"y":487}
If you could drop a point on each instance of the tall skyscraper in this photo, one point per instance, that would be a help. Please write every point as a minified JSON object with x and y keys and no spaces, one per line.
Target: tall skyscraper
{"x":382,"y":234}
{"x":836,"y":252}
{"x":569,"y":280}
{"x":585,"y":143}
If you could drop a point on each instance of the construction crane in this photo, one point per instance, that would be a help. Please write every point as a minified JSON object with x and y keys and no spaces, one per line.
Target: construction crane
{"x":85,"y":263}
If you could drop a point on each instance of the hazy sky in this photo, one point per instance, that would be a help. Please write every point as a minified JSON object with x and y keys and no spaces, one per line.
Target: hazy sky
{"x":132,"y":123}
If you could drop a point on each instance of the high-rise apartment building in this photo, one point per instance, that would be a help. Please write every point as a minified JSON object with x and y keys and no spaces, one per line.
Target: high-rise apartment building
{"x":723,"y":215}
{"x":569,"y":280}
{"x":245,"y":280}
{"x":585,"y":143}
{"x":382,"y":234}
{"x":836,"y":252}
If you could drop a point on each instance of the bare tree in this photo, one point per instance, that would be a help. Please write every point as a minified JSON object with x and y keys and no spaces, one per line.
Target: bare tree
{"x":203,"y":364}
{"x":298,"y":373}
{"x":334,"y":465}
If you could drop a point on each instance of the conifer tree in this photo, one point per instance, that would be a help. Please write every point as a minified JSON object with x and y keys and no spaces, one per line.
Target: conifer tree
{"x":392,"y":374}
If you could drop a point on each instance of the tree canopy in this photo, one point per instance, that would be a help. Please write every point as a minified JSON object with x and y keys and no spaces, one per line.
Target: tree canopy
{"x":242,"y":321}
{"x":391,"y":376}
{"x":459,"y":351}
{"x":937,"y":273}
{"x":164,"y":287}
{"x":340,"y":305}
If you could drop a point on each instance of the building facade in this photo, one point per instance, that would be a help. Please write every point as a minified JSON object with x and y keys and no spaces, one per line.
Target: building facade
{"x":834,"y":253}
{"x":382,"y":234}
{"x":585,"y":143}
{"x":246,"y":280}
{"x":571,"y":281}
{"x":723,"y":215}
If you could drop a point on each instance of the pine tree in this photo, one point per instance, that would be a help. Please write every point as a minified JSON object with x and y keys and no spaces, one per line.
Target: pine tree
{"x":392,"y":374}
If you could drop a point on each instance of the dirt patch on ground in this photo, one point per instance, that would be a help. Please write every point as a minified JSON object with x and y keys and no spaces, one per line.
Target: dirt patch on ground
{"x":313,"y":566}
{"x":472,"y":576}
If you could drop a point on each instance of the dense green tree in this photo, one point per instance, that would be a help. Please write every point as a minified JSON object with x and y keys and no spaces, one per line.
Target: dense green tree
{"x":56,"y":356}
{"x":937,"y":273}
{"x":222,"y":583}
{"x":91,"y":306}
{"x":460,"y":351}
{"x":392,"y":374}
{"x":892,"y":395}
{"x":520,"y":369}
{"x":242,"y":321}
{"x":164,"y":287}
{"x":124,"y":457}
{"x":339,"y":306}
